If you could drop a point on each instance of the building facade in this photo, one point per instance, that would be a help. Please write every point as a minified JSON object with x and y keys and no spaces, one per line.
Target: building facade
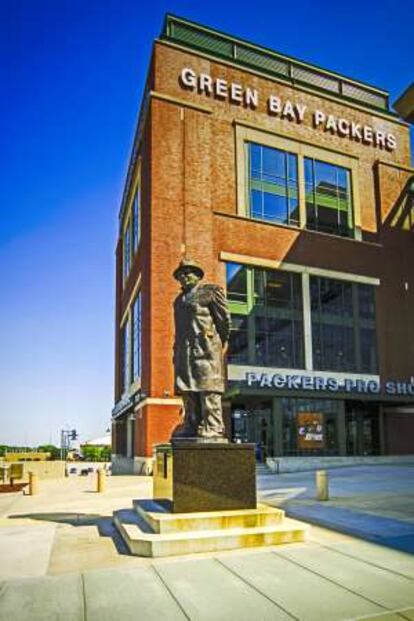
{"x":292,"y":186}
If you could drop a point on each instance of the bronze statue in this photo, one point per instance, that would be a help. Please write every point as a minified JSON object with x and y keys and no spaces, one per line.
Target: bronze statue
{"x":202,"y":328}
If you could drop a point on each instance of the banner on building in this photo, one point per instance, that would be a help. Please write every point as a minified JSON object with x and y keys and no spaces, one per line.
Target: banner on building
{"x":310,"y":430}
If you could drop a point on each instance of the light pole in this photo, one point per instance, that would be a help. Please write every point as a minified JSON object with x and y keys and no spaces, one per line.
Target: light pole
{"x":66,"y":437}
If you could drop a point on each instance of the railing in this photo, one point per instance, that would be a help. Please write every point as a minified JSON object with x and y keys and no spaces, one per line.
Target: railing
{"x":273,"y":64}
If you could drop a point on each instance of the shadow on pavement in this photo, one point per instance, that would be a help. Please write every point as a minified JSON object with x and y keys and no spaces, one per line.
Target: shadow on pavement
{"x":385,"y":531}
{"x":104,"y":524}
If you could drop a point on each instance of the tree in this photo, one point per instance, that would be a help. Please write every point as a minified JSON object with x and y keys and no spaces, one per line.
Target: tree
{"x":91,"y":453}
{"x":50,"y":448}
{"x":106,"y":453}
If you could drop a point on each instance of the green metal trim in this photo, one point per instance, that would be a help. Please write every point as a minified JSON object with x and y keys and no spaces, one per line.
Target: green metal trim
{"x":387,"y":114}
{"x":166,"y":33}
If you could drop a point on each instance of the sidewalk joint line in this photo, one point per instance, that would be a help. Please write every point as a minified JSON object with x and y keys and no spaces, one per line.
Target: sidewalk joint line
{"x":170,"y":591}
{"x":401,"y":614}
{"x":82,"y":577}
{"x":316,"y":573}
{"x":255,"y":588}
{"x":357,"y":558}
{"x":394,"y":611}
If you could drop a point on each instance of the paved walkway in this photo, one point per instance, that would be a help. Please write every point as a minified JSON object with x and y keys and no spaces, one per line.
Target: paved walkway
{"x":375,"y":503}
{"x":61,"y":559}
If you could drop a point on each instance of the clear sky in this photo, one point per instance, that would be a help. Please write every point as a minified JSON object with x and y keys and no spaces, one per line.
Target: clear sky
{"x":72,"y":73}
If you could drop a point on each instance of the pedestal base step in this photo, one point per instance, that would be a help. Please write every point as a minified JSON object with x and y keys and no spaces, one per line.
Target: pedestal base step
{"x":135,"y":527}
{"x":157,"y":514}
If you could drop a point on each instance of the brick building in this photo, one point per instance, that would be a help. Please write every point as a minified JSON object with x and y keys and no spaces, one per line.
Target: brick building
{"x":291,"y":185}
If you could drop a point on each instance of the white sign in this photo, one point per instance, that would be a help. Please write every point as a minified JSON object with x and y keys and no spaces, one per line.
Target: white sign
{"x":291,"y":111}
{"x":329,"y":384}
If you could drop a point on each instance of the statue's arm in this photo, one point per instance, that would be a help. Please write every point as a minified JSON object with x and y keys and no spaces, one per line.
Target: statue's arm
{"x":175,"y":331}
{"x":220,"y":312}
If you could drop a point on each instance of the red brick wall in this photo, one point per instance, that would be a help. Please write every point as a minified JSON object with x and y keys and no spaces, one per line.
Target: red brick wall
{"x":154,"y":425}
{"x":400,"y":434}
{"x":189,"y":204}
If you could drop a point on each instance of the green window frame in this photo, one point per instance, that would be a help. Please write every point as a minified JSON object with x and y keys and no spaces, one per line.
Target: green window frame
{"x":344,"y":335}
{"x":126,"y":255}
{"x":136,"y":220}
{"x":267,"y":317}
{"x":136,"y":317}
{"x":125,"y":367}
{"x":297,"y":185}
{"x":131,"y":235}
{"x":273,"y":184}
{"x":328,"y":196}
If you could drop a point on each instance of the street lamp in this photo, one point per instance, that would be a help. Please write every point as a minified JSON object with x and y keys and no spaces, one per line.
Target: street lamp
{"x":66,"y":438}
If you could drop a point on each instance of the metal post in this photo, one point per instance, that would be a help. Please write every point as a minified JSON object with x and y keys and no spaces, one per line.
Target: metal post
{"x":101,"y":481}
{"x":322,"y":489}
{"x":33,"y":483}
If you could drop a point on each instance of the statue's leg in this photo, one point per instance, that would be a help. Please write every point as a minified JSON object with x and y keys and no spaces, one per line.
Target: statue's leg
{"x":191,"y":414}
{"x":211,"y":424}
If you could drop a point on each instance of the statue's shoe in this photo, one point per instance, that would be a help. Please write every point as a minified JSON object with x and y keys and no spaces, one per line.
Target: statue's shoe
{"x":183,"y":432}
{"x":209,"y":433}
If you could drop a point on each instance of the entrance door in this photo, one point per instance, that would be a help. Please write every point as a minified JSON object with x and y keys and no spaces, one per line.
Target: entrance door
{"x":362,"y":428}
{"x":254,"y":424}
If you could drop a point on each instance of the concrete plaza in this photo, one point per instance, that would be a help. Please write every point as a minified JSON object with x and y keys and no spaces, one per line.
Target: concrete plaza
{"x":62,"y":559}
{"x":375,"y":503}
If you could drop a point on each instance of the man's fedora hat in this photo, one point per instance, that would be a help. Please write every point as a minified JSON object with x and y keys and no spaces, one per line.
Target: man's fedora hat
{"x":188,"y":265}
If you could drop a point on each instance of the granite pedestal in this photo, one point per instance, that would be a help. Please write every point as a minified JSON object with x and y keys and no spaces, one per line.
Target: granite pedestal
{"x":205,"y":476}
{"x":204,"y":501}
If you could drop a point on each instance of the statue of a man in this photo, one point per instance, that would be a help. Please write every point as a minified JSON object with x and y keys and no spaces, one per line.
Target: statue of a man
{"x":202,"y":328}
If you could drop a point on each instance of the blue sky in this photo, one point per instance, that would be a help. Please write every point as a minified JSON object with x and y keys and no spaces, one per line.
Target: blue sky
{"x":72,"y":74}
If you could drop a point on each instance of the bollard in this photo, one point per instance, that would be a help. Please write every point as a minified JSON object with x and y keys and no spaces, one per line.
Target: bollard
{"x":101,"y":481}
{"x":322,"y":491}
{"x":33,"y":483}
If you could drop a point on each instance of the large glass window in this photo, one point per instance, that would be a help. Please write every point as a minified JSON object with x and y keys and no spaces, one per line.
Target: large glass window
{"x":125,"y":363}
{"x":136,"y":215}
{"x":328,"y":198}
{"x":126,"y":252}
{"x":136,"y":338}
{"x":273,"y":185}
{"x":239,"y":340}
{"x":343,"y":326}
{"x":267,"y":321}
{"x":236,"y":283}
{"x":132,"y":234}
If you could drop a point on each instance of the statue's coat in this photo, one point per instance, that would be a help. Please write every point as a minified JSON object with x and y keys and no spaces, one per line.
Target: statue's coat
{"x":202,"y":327}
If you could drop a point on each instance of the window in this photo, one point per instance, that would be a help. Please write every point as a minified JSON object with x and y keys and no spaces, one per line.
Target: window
{"x":236,"y":283}
{"x":267,"y":317}
{"x":343,"y":326}
{"x":273,"y":185}
{"x":127,"y":252}
{"x":328,"y":198}
{"x":239,"y":340}
{"x":131,"y":233}
{"x":136,"y":223}
{"x":136,"y":338}
{"x":367,"y":329}
{"x":131,"y":345}
{"x":125,"y":361}
{"x":291,"y":183}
